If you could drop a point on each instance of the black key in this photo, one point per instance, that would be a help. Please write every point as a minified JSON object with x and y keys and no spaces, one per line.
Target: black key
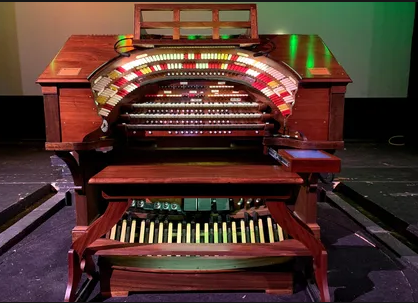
{"x":118,"y":233}
{"x":183,"y":233}
{"x":229,"y":234}
{"x":128,"y":233}
{"x":156,"y":230}
{"x":247,"y":234}
{"x":276,"y":238}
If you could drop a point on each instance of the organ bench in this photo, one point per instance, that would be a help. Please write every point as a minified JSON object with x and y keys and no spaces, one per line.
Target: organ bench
{"x":195,"y":160}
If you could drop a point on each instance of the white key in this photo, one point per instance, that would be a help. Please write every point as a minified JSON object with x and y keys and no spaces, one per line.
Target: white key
{"x":133,"y":228}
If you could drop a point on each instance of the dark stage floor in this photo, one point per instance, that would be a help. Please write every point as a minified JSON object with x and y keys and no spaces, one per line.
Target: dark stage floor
{"x":383,"y":179}
{"x":23,"y":170}
{"x":360,"y":267}
{"x":35,"y":269}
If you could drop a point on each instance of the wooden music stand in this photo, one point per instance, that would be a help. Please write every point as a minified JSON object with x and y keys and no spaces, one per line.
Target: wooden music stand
{"x":176,"y":24}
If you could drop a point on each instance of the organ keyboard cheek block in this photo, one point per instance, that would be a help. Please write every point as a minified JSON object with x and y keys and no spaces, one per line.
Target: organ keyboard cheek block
{"x":195,"y":159}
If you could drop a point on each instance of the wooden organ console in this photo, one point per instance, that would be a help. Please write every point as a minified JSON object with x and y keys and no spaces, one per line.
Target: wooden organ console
{"x":195,"y":159}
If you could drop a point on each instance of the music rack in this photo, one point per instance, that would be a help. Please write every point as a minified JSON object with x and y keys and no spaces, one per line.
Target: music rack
{"x":176,"y":24}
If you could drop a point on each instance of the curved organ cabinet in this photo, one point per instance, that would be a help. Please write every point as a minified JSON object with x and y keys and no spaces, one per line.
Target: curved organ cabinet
{"x":240,"y":94}
{"x":195,"y":161}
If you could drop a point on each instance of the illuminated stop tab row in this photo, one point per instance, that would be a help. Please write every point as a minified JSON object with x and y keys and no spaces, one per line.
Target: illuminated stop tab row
{"x":200,"y":56}
{"x":101,"y":82}
{"x":197,"y":116}
{"x":197,"y":105}
{"x":227,"y":95}
{"x":109,"y":102}
{"x":239,"y":67}
{"x":289,"y":84}
{"x":283,"y":93}
{"x":242,"y":58}
{"x":221,"y":86}
{"x":105,"y":95}
{"x":122,"y":78}
{"x":276,"y":99}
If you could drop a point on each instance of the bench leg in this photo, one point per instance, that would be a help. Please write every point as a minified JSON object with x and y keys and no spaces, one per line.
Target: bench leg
{"x":77,"y":261}
{"x":301,"y":232}
{"x":74,"y":276}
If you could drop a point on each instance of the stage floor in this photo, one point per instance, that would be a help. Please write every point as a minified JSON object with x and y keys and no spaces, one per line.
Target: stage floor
{"x":386,"y":177}
{"x":23,"y":170}
{"x":36,"y":268}
{"x":383,"y":179}
{"x":360,"y":268}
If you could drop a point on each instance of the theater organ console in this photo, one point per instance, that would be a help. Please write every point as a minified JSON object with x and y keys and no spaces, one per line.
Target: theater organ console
{"x":195,"y":159}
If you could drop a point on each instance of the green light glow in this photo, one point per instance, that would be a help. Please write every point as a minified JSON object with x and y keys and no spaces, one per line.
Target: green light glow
{"x":310,"y":60}
{"x":192,"y":37}
{"x":225,"y":36}
{"x":124,"y":43}
{"x":293,"y":49}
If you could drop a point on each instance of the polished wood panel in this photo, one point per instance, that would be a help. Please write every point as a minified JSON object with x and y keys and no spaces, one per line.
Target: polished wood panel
{"x":116,"y":281}
{"x":300,"y":144}
{"x":310,"y":113}
{"x":90,"y":51}
{"x":305,"y":52}
{"x":78,"y":146}
{"x":311,"y":102}
{"x":286,"y":248}
{"x":192,"y":174}
{"x":78,"y":114}
{"x":336,"y":113}
{"x":52,"y":116}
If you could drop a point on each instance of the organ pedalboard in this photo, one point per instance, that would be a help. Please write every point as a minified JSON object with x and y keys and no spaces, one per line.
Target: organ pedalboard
{"x":195,"y":159}
{"x":197,"y":220}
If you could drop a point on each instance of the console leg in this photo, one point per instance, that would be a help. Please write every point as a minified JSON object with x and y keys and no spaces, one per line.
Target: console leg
{"x":77,"y":261}
{"x":101,"y":226}
{"x":74,"y":276}
{"x":321,"y":275}
{"x":89,"y":267}
{"x":301,"y":232}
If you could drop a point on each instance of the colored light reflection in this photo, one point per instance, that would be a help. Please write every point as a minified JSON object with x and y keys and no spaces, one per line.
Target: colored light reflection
{"x":327,"y":56}
{"x":125,"y":41}
{"x":53,"y":66}
{"x":293,"y":48}
{"x":310,"y":59}
{"x":195,"y":37}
